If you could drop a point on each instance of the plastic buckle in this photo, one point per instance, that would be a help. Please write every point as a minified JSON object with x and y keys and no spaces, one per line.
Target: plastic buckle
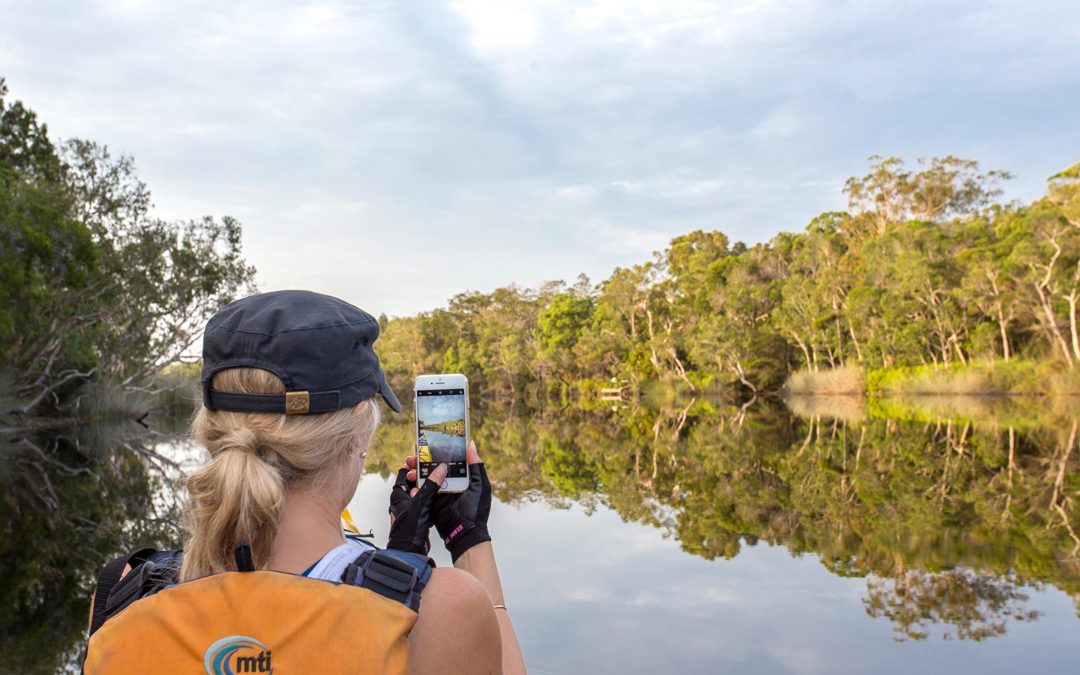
{"x":131,"y":587}
{"x":394,"y":574}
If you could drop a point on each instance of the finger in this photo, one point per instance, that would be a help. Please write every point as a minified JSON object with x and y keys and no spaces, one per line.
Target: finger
{"x":411,"y":476}
{"x":412,"y":492}
{"x":410,"y":462}
{"x":471,"y":455}
{"x":439,"y":474}
{"x":433,"y":484}
{"x":402,"y":477}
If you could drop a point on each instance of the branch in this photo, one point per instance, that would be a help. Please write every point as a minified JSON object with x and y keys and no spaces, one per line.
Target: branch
{"x":71,"y":375}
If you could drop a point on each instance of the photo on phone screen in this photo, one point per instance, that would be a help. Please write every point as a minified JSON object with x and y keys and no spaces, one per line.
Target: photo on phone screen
{"x":440,"y":431}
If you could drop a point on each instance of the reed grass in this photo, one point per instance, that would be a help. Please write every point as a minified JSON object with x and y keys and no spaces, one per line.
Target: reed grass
{"x":846,"y":381}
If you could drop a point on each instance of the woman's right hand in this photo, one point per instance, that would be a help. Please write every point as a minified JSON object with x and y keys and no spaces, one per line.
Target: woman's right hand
{"x":462,"y":519}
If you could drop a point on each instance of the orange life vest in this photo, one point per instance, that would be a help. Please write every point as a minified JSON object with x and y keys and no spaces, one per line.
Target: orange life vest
{"x":263,"y":622}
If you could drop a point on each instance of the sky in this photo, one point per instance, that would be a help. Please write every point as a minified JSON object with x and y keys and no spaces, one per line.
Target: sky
{"x":435,"y":409}
{"x":397,"y":153}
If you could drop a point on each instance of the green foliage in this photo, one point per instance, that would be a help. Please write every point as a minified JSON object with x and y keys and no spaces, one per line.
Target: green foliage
{"x":562,"y":322}
{"x":922,"y":280}
{"x":90,"y":283}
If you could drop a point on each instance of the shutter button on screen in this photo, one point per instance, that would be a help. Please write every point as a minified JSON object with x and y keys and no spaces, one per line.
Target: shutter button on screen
{"x":445,"y":483}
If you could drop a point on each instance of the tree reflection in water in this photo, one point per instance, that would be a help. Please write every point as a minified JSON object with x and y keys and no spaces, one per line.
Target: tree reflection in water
{"x":956,"y":511}
{"x":71,"y":499}
{"x":969,"y":606}
{"x":947,"y":518}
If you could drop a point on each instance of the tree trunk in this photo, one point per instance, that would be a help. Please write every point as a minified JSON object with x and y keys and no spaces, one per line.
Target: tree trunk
{"x":1072,"y":297}
{"x":653,"y":358}
{"x":802,"y":346}
{"x":1051,"y":324}
{"x":854,"y":340}
{"x":839,"y":338}
{"x":1046,"y":293}
{"x":737,"y":368}
{"x":1002,"y":324}
{"x":956,"y":345}
{"x":680,"y":369}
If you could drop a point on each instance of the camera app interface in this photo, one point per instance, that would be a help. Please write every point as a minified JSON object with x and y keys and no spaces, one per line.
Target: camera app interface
{"x":440,"y":431}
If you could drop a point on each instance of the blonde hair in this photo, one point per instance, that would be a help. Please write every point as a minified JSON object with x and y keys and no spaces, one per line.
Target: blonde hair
{"x":255,"y":458}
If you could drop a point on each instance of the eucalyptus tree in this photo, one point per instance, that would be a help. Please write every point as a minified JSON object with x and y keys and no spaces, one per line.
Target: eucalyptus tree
{"x":944,"y":188}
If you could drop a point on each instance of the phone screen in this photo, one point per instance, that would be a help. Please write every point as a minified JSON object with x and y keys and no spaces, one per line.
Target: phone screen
{"x":440,"y":431}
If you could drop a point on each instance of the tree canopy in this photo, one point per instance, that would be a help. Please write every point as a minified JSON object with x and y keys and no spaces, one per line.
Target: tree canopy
{"x":91,"y":284}
{"x":923,"y":269}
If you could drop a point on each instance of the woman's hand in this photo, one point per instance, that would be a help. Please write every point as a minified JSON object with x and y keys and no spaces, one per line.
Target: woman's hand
{"x":411,"y":509}
{"x":461,"y":518}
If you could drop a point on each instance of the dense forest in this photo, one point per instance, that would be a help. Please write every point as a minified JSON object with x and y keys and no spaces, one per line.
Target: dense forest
{"x":925,"y":272}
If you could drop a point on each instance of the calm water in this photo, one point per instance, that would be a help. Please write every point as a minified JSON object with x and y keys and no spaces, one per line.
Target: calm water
{"x":919,"y":536}
{"x":445,"y":447}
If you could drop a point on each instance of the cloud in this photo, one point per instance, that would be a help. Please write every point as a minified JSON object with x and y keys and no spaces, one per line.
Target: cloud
{"x":526,"y":141}
{"x":435,"y":409}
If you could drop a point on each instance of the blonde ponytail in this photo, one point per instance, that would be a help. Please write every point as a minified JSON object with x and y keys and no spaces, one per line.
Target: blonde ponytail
{"x":256,"y":458}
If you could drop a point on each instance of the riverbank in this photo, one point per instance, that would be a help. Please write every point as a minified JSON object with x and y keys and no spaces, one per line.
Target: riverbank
{"x":1017,"y":377}
{"x":449,"y":427}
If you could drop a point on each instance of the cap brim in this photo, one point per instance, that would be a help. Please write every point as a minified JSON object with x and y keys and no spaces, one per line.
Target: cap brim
{"x":389,"y":396}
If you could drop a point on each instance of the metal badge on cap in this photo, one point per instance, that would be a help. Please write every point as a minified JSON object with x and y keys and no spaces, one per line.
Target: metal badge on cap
{"x":297,"y":403}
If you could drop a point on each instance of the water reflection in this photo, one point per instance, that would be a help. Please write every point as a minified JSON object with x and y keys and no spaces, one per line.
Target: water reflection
{"x":635,"y":537}
{"x":943,"y":516}
{"x":960,"y":603}
{"x":71,"y":497}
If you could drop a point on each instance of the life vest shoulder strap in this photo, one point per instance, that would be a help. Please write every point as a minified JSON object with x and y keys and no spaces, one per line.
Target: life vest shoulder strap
{"x":396,"y":575}
{"x":151,"y":570}
{"x":393,"y":574}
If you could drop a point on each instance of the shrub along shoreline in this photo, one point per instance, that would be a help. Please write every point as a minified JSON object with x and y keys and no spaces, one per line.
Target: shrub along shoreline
{"x":1016,"y":377}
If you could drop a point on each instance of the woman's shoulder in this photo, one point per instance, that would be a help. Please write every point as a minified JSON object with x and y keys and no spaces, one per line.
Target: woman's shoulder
{"x":454,"y":603}
{"x":453,"y":589}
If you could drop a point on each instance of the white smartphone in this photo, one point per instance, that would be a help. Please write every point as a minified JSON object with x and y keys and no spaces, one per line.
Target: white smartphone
{"x":442,"y":428}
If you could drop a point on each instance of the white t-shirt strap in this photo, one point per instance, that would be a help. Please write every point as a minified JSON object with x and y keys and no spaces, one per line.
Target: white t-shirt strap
{"x":333,"y":564}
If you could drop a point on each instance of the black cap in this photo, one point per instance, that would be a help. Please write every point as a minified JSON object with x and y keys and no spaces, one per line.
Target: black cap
{"x":319,"y":346}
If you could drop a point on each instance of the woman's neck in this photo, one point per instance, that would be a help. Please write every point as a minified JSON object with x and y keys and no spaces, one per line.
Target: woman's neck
{"x":310,"y":526}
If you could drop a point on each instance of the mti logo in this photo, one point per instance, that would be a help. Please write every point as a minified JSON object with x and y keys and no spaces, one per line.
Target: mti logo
{"x":237,"y":654}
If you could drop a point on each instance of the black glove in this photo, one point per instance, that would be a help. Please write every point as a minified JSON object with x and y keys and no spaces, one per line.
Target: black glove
{"x":412,"y":515}
{"x":461,"y":519}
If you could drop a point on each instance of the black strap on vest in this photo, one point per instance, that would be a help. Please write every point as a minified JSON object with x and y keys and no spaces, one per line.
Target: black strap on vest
{"x":108,"y":581}
{"x":392,"y":574}
{"x":244,"y":560}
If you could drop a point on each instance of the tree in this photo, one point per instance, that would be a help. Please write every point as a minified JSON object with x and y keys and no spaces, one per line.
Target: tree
{"x":944,"y":188}
{"x":90,"y":283}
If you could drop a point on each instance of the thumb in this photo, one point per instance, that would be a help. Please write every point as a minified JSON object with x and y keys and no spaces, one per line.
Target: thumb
{"x":438,"y":475}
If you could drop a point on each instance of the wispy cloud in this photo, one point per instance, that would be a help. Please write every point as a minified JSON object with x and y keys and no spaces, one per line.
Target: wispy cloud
{"x":526,"y":141}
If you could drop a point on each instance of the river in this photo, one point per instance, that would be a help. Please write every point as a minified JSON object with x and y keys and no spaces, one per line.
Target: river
{"x":833,"y":536}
